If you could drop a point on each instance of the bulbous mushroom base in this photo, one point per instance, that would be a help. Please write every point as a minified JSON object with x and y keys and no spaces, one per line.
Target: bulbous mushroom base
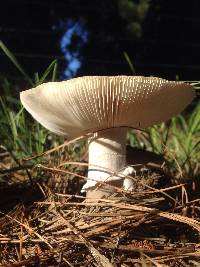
{"x":107,"y":163}
{"x":104,"y":191}
{"x":108,"y":189}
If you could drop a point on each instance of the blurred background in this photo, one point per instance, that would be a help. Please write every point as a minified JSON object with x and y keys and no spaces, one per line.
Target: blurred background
{"x":160,"y":37}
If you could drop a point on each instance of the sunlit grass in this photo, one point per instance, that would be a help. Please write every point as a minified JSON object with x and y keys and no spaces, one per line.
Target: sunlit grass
{"x":19,"y":133}
{"x":178,"y":140}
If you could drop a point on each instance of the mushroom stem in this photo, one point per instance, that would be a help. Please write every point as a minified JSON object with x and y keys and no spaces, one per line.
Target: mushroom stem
{"x":107,"y":155}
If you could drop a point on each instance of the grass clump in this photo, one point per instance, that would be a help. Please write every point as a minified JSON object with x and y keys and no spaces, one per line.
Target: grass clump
{"x":178,"y":140}
{"x":20,"y":134}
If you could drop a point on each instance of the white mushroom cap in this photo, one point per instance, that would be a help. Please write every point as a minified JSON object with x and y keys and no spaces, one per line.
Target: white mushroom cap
{"x":92,"y":103}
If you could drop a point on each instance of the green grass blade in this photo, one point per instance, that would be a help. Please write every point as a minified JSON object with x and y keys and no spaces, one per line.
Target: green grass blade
{"x":13,"y":125}
{"x":37,"y":78}
{"x":15,"y":62}
{"x":54,"y":73}
{"x":4,"y":109}
{"x":19,"y":117}
{"x":129,"y":63}
{"x":182,"y":122}
{"x":194,"y":119}
{"x":50,"y":68}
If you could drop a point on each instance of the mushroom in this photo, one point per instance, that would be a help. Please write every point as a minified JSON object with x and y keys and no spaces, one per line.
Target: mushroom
{"x":106,"y":106}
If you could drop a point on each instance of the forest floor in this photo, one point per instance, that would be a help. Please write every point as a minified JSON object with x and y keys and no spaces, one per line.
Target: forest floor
{"x":45,"y":221}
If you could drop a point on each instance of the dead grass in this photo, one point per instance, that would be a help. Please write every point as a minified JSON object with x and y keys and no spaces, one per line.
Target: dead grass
{"x":157,"y":225}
